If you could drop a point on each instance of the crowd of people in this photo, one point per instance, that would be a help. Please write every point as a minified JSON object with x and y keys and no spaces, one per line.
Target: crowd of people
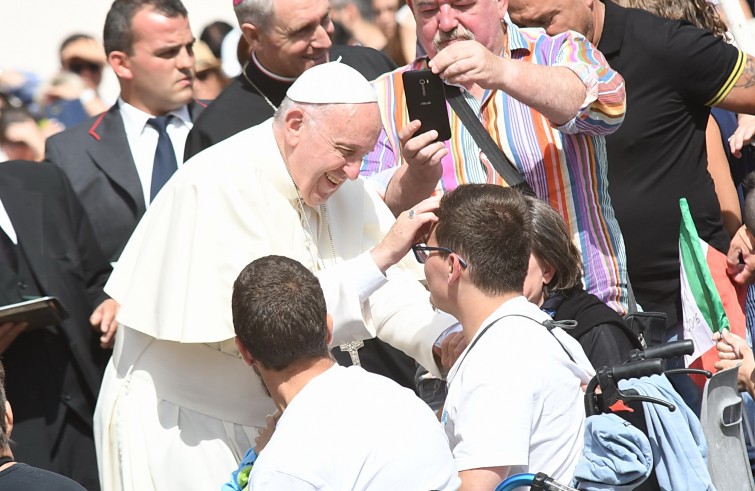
{"x":271,"y":274}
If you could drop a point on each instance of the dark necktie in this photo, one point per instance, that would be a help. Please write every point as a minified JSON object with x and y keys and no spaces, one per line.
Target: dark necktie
{"x":165,"y":157}
{"x":8,"y":253}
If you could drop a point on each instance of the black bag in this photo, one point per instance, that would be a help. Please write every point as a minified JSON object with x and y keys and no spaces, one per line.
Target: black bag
{"x":649,"y":327}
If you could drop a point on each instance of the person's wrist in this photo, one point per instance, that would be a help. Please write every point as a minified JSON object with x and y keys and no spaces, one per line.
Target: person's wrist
{"x":421,"y":176}
{"x":382,"y":257}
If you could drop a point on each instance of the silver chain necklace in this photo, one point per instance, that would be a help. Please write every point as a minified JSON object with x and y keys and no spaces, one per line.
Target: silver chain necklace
{"x":300,"y":201}
{"x":259,"y":91}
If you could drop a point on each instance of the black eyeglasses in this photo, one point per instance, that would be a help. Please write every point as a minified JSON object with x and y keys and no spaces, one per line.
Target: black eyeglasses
{"x":79,"y":66}
{"x":421,"y":253}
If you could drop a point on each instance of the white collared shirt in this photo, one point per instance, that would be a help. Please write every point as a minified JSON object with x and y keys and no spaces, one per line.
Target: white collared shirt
{"x":142,"y":139}
{"x":6,"y":224}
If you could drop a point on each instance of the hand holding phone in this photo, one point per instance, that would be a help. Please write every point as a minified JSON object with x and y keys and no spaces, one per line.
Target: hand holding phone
{"x":426,"y":102}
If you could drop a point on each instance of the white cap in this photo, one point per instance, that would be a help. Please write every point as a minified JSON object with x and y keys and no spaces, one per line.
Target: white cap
{"x":332,"y":83}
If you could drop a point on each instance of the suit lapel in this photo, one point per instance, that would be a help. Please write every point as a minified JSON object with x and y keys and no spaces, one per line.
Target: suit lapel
{"x":25,"y":211}
{"x":196,"y":107}
{"x":111,"y":153}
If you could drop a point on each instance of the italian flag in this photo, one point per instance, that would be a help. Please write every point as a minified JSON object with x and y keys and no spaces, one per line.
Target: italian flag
{"x":710,"y":300}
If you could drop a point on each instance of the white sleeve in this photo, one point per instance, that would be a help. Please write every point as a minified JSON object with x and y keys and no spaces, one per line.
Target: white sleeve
{"x":365,"y":304}
{"x":278,"y":480}
{"x":404,"y":318}
{"x":347,"y":288}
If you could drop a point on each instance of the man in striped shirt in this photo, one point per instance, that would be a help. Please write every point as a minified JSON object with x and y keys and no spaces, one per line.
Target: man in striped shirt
{"x":546,"y":101}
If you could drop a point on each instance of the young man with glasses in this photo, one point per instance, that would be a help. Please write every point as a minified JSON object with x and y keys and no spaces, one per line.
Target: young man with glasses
{"x":509,"y":409}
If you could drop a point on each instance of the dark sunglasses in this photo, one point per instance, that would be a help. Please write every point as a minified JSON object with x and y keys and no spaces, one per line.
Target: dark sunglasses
{"x":422,"y":253}
{"x":79,"y":66}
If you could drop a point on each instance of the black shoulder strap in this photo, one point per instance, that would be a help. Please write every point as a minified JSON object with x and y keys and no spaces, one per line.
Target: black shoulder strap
{"x":498,"y":159}
{"x":548,"y":324}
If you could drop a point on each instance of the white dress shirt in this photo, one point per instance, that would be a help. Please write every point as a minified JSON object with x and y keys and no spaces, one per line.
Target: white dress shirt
{"x":142,"y":139}
{"x":6,"y":224}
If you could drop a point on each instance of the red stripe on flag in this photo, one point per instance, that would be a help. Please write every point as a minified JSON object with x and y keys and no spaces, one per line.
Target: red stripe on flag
{"x":732,"y":296}
{"x":733,"y":300}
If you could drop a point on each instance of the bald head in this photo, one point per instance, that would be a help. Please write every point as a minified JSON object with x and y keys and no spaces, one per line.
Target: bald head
{"x":557,"y":16}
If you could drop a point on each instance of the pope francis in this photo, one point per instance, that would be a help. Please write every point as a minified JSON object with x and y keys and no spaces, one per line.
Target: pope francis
{"x":178,"y":407}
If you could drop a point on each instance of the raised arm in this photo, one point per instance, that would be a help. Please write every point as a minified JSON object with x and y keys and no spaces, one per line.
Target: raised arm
{"x":576,"y":89}
{"x":556,"y":92}
{"x":741,"y":98}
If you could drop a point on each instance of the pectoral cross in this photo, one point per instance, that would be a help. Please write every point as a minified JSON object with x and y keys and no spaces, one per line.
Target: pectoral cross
{"x":353,"y":349}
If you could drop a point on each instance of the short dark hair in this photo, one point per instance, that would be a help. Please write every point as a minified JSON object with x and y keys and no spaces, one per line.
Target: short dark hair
{"x":72,"y":39}
{"x":117,"y":35}
{"x":279,"y":312}
{"x":5,"y":440}
{"x":213,"y":34}
{"x":489,"y":226}
{"x":552,"y":244}
{"x":748,"y":210}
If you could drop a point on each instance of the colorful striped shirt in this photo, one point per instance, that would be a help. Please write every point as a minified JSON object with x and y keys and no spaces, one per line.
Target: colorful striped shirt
{"x":565,"y":165}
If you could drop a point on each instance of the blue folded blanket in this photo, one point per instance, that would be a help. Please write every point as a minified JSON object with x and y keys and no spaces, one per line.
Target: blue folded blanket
{"x":616,"y":455}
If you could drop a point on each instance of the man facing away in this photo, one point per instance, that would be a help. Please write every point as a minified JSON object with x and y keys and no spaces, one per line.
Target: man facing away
{"x":119,"y":160}
{"x":515,"y":402}
{"x":177,"y":394}
{"x":283,"y":331}
{"x":547,"y":104}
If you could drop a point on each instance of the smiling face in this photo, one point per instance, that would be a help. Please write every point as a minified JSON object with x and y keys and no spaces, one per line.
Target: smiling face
{"x":157,"y":74}
{"x":441,"y":22}
{"x":327,"y":144}
{"x":297,"y":38}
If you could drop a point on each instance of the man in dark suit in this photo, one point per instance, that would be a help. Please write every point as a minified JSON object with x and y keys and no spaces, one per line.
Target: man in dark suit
{"x":54,"y":372}
{"x":286,"y":39}
{"x":116,"y":161}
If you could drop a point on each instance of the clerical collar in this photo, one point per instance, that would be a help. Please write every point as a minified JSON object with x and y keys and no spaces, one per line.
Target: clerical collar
{"x":270,"y":74}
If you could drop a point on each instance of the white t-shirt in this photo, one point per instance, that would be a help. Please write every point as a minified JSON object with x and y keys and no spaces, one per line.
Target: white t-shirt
{"x":349,"y":429}
{"x":516,"y":399}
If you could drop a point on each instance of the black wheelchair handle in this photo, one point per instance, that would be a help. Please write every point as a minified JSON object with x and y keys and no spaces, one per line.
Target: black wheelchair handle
{"x":672,"y":349}
{"x":637,"y":369}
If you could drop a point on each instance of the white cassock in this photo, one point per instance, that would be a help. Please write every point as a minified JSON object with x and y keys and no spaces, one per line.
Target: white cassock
{"x":178,"y":407}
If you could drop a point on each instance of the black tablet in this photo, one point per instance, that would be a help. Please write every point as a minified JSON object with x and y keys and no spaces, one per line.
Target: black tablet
{"x":38,"y":312}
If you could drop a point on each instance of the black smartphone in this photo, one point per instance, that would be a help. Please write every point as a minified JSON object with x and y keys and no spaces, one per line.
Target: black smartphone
{"x":426,"y":101}
{"x":38,"y":312}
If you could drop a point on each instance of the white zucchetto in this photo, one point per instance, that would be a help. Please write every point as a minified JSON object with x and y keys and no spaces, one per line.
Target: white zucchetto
{"x":332,"y":83}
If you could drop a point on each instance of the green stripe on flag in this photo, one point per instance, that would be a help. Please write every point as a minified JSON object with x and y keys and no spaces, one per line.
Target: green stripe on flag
{"x":698,"y":274}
